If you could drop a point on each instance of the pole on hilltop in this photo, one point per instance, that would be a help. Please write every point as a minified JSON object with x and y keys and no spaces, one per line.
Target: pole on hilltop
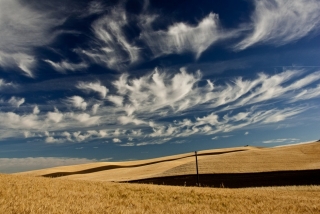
{"x":198,"y":184}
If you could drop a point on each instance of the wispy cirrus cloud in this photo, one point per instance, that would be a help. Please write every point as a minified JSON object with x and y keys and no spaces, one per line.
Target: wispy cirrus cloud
{"x":65,"y":66}
{"x":213,"y":123}
{"x":267,"y":87}
{"x":279,"y":22}
{"x":93,"y":86}
{"x":16,"y":101}
{"x":157,"y":91}
{"x":4,"y":84}
{"x":182,"y":37}
{"x":112,"y":46}
{"x":116,"y":140}
{"x":163,"y":94}
{"x":19,"y":122}
{"x":22,"y":28}
{"x":281,"y":140}
{"x":36,"y":110}
{"x":145,"y":108}
{"x":77,"y":102}
{"x":307,"y":94}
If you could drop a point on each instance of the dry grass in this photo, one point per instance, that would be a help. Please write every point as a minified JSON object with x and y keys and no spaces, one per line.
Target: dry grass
{"x":24,"y":194}
{"x":297,"y":157}
{"x":128,"y":170}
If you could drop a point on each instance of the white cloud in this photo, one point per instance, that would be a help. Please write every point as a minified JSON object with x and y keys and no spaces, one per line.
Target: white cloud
{"x":67,"y":135}
{"x":182,"y":37}
{"x":184,"y":122}
{"x":36,"y":110}
{"x":127,"y":144}
{"x":28,"y":134}
{"x":307,"y":94}
{"x":281,"y":115}
{"x":154,"y":142}
{"x":94,"y":86}
{"x":211,"y":119}
{"x":4,"y":84}
{"x":118,"y":100}
{"x":130,"y":119}
{"x":85,"y":118}
{"x":215,"y":138}
{"x":16,"y":101}
{"x":53,"y":140}
{"x":163,"y":131}
{"x":281,"y":140}
{"x":117,"y":132}
{"x":78,"y":136}
{"x":96,"y":7}
{"x":95,"y":108}
{"x":55,"y":116}
{"x":102,"y":133}
{"x":112,"y":48}
{"x":267,"y":87}
{"x":23,"y":61}
{"x":77,"y":102}
{"x":64,"y":66}
{"x":136,"y":133}
{"x":157,"y":90}
{"x":116,"y":140}
{"x":246,"y":133}
{"x":15,"y":121}
{"x":222,"y":107}
{"x":280,"y":21}
{"x":21,"y":29}
{"x":229,"y":123}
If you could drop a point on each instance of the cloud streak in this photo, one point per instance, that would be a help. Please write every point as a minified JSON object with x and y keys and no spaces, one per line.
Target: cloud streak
{"x":23,"y":28}
{"x":112,"y":47}
{"x":65,"y":66}
{"x":93,"y":86}
{"x":281,"y":140}
{"x":307,"y":94}
{"x":143,"y":108}
{"x":182,"y":37}
{"x":280,"y":22}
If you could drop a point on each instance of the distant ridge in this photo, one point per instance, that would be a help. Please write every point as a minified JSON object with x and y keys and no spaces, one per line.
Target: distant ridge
{"x":297,"y":158}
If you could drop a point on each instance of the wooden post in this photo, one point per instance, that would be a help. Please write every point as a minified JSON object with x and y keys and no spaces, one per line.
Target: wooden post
{"x":198,"y":184}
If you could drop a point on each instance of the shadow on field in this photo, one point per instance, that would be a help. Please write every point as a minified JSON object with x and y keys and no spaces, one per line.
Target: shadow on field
{"x":240,"y":180}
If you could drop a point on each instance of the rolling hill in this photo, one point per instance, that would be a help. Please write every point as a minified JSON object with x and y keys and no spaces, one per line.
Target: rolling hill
{"x":247,"y":159}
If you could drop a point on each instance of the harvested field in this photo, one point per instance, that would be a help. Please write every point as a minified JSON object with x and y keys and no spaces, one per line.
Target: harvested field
{"x":220,"y":164}
{"x":26,"y":194}
{"x":87,"y":188}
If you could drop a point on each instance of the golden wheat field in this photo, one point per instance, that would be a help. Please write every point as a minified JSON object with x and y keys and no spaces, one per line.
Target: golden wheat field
{"x":87,"y":188}
{"x":26,"y":194}
{"x":231,"y":160}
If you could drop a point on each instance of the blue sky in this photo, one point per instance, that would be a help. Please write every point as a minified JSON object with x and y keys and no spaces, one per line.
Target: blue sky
{"x":84,"y":81}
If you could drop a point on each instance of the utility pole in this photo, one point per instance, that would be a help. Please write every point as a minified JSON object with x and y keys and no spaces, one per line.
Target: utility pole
{"x":198,"y":184}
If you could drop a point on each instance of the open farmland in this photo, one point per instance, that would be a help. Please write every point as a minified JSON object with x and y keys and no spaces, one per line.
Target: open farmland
{"x":87,"y":188}
{"x":297,"y":163}
{"x":26,"y":194}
